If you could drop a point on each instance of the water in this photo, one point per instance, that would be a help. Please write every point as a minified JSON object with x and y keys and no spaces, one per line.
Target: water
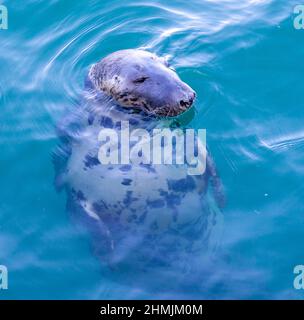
{"x":244,"y":59}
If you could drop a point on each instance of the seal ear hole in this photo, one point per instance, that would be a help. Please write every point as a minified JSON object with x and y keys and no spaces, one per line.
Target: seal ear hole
{"x":166,"y":60}
{"x":140,"y":80}
{"x":167,"y":63}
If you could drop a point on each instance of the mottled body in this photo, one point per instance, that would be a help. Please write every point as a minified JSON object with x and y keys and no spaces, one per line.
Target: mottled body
{"x":137,"y":212}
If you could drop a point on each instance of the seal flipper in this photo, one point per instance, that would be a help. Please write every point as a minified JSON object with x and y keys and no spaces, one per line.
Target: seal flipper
{"x":82,"y":213}
{"x":103,"y":242}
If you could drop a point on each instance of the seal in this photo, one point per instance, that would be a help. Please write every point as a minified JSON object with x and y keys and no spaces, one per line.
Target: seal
{"x":139,"y":215}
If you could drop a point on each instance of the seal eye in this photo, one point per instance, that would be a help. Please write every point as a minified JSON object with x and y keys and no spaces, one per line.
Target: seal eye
{"x":140,"y":80}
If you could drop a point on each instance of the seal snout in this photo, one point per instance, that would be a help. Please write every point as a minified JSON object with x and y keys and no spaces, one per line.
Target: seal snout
{"x":187,"y":103}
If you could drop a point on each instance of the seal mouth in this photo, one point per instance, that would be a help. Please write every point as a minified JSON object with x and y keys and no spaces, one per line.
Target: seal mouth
{"x":165,"y":111}
{"x":168,"y":111}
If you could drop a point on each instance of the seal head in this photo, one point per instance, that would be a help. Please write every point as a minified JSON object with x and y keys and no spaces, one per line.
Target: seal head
{"x":143,"y":81}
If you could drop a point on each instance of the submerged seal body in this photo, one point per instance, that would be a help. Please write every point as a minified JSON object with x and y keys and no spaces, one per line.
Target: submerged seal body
{"x":139,"y":214}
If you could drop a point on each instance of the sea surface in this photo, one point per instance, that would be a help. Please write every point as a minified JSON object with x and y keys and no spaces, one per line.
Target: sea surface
{"x":245,"y":61}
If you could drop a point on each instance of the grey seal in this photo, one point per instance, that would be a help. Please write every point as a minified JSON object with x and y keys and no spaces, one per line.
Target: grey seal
{"x":140,"y":215}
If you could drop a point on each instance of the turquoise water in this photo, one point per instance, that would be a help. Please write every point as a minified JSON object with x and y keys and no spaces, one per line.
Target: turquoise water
{"x":245,"y":61}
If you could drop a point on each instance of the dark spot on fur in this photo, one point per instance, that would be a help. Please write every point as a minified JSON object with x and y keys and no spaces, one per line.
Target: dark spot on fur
{"x":173,"y":200}
{"x":99,"y":207}
{"x":159,"y":203}
{"x":90,"y":161}
{"x":149,"y":167}
{"x":106,"y":122}
{"x":91,"y":119}
{"x":182,"y":185}
{"x":79,"y":195}
{"x":142,"y":217}
{"x":129,"y":199}
{"x":125,"y":168}
{"x":126,"y":182}
{"x":133,"y":122}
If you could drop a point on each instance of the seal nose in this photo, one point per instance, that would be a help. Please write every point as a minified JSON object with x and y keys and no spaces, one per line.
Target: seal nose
{"x":192,"y":97}
{"x":186,"y":103}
